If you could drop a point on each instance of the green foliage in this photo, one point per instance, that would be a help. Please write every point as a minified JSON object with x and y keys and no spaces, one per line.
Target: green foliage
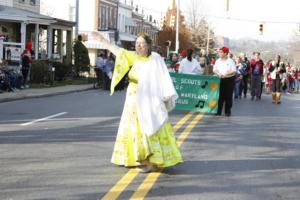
{"x":82,"y":60}
{"x":61,"y":70}
{"x":42,"y":74}
{"x":39,"y":71}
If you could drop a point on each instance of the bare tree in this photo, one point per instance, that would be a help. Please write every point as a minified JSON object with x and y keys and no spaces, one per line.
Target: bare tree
{"x":195,"y":13}
{"x":294,"y":48}
{"x":198,"y":24}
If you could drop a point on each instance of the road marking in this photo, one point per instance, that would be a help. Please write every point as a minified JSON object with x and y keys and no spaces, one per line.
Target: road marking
{"x":145,"y":187}
{"x":43,"y":119}
{"x":121,"y":185}
{"x":182,"y":121}
{"x":188,"y":129}
{"x":149,"y":181}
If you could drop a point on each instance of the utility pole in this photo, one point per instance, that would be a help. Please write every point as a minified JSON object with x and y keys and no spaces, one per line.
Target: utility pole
{"x":177,"y":27}
{"x":77,"y":19}
{"x":208,"y":38}
{"x":227,"y":5}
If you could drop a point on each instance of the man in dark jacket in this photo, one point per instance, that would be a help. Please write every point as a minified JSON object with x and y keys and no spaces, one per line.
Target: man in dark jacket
{"x":256,"y":72}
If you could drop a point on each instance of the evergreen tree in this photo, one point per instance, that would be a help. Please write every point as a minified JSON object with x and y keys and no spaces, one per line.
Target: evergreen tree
{"x":81,"y":54}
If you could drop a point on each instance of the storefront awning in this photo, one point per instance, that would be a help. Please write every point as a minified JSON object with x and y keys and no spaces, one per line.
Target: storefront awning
{"x":127,"y":37}
{"x":93,"y":43}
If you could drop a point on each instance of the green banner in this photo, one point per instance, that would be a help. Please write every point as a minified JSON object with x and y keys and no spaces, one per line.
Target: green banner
{"x":197,"y":93}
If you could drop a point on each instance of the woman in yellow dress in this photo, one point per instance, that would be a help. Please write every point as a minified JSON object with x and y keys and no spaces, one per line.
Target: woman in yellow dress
{"x":145,"y":136}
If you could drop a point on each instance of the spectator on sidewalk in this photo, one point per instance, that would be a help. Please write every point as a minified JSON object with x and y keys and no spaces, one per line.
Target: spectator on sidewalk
{"x":105,"y":70}
{"x":7,"y":81}
{"x":98,"y":68}
{"x":26,"y":60}
{"x":110,"y":63}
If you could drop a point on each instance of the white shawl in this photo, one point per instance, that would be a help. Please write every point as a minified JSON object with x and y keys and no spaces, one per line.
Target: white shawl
{"x":156,"y":95}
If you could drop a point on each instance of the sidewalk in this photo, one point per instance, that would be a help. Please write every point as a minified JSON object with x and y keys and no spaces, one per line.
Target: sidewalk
{"x":44,"y":92}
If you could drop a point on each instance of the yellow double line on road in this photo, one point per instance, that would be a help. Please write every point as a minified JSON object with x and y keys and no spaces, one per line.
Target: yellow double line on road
{"x":149,"y":181}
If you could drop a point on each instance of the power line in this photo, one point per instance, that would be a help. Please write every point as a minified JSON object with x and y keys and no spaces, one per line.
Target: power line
{"x":186,"y":13}
{"x":252,"y":20}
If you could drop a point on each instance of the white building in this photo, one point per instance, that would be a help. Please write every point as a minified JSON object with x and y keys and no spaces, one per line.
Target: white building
{"x":112,"y":18}
{"x":102,"y":16}
{"x":115,"y":20}
{"x":30,"y":5}
{"x":21,"y":23}
{"x":126,"y":26}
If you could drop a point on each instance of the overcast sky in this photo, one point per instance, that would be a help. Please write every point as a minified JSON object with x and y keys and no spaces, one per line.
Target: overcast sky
{"x":281,"y":19}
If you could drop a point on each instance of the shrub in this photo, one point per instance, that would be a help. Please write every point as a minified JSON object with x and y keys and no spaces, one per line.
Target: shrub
{"x":40,"y":71}
{"x":61,"y":70}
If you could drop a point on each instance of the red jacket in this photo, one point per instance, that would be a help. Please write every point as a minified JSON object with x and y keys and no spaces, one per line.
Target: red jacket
{"x":259,"y":64}
{"x":26,"y":51}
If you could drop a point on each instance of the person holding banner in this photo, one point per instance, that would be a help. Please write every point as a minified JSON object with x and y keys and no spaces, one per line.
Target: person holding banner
{"x":145,"y":137}
{"x":189,"y":65}
{"x":225,"y":68}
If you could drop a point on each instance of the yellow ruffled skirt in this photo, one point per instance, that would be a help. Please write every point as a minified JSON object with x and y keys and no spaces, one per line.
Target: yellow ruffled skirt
{"x":132,"y":146}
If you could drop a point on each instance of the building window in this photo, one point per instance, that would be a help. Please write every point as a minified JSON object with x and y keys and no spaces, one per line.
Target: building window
{"x":116,"y":17}
{"x":107,"y":22}
{"x":4,"y":29}
{"x":33,"y":2}
{"x":103,"y":18}
{"x":120,"y":23}
{"x":109,"y":19}
{"x":21,"y":1}
{"x":112,"y":25}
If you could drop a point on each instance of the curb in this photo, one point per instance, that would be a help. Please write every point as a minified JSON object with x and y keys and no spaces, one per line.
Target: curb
{"x":9,"y":99}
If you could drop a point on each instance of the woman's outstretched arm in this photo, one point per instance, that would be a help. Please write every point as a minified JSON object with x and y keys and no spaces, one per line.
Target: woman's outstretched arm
{"x":106,"y":44}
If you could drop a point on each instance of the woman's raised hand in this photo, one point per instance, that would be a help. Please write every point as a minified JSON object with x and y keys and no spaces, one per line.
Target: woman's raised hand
{"x":95,"y":35}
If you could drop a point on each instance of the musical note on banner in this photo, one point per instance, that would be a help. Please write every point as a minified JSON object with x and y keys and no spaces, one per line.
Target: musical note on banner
{"x":203,"y":86}
{"x":200,"y":104}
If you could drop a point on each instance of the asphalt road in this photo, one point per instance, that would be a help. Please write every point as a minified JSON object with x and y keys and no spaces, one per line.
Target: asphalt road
{"x":60,"y":148}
